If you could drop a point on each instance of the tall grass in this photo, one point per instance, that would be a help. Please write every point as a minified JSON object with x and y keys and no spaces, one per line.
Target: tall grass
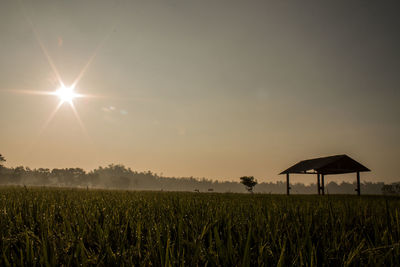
{"x":48,"y":227}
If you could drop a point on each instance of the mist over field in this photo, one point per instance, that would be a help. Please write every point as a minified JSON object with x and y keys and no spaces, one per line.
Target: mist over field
{"x":120,"y":177}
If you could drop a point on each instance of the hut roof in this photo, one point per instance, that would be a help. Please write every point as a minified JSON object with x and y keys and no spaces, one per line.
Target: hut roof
{"x":328,"y":165}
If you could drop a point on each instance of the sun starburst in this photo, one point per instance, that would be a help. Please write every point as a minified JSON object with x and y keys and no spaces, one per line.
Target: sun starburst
{"x":66,"y":94}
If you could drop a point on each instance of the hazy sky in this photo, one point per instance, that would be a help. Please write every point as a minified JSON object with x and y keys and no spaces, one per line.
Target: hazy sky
{"x":215,"y":89}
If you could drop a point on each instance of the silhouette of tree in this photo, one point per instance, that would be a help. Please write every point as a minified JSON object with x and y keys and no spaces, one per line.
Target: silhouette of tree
{"x":18,"y":174}
{"x":2,"y":169}
{"x":391,"y":189}
{"x":249,"y":182}
{"x":2,"y":159}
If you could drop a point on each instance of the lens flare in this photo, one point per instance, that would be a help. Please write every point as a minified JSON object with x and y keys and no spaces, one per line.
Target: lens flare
{"x":66,"y":94}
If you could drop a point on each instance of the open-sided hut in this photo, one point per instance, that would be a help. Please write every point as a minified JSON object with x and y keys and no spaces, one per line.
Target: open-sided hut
{"x":338,"y":164}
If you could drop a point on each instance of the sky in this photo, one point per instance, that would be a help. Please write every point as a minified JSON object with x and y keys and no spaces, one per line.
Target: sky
{"x":214,"y":89}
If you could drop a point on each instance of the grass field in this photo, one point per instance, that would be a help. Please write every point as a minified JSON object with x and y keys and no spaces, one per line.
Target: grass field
{"x":41,"y":226}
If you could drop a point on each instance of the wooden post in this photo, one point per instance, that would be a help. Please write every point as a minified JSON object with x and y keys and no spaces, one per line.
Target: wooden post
{"x":358,"y":184}
{"x":323,"y":184}
{"x":319,"y":185}
{"x":287,"y":184}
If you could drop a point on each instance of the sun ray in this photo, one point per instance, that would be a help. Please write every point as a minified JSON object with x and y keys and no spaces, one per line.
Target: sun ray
{"x":86,"y":66}
{"x":49,"y":60}
{"x":27,"y":92}
{"x":42,"y":47}
{"x":42,"y":129}
{"x":82,"y":72}
{"x":78,"y":118}
{"x":50,"y":118}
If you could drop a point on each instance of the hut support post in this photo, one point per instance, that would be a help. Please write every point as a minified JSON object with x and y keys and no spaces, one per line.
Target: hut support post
{"x":319,"y":184}
{"x":358,"y":184}
{"x":287,"y":184}
{"x":323,"y":184}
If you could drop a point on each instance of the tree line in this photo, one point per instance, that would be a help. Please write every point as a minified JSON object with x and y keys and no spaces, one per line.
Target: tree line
{"x":117,"y":176}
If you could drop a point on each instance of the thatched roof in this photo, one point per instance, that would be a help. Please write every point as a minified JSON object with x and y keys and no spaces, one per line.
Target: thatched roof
{"x":328,"y":165}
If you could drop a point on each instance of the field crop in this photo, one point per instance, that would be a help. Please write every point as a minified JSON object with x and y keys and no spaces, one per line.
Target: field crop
{"x":41,"y":226}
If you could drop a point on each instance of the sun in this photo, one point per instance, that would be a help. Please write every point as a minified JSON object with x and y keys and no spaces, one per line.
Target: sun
{"x":66,"y":94}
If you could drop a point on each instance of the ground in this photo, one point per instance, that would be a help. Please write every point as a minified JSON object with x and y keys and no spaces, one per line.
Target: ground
{"x":41,"y":226}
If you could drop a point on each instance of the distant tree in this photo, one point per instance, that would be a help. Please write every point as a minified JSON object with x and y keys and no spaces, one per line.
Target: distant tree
{"x":249,"y":182}
{"x":116,"y":176}
{"x":18,"y":174}
{"x":391,"y":189}
{"x":2,"y":159}
{"x":2,"y":176}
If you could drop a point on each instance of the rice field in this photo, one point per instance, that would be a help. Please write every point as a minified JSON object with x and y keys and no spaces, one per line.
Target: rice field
{"x":48,"y":226}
